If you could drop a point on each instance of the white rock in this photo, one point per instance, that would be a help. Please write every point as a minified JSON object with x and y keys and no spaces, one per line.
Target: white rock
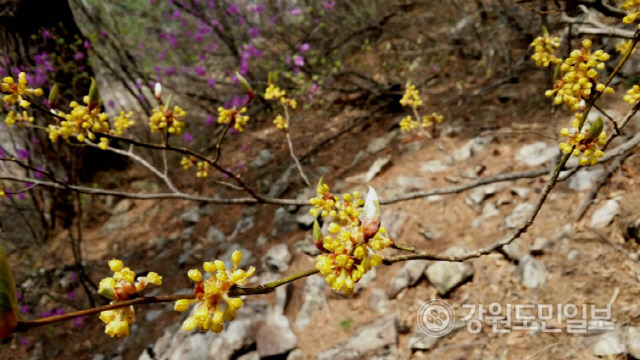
{"x":533,"y":272}
{"x":537,"y":153}
{"x":518,"y":216}
{"x":605,"y":214}
{"x":445,"y":275}
{"x":609,"y":344}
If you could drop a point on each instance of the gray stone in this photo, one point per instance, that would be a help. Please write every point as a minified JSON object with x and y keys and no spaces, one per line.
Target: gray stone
{"x":115,"y":223}
{"x":633,"y":341}
{"x":154,"y":314}
{"x":421,"y":341}
{"x":190,"y":217}
{"x":584,"y":178}
{"x":411,"y":183}
{"x":408,"y":275}
{"x":607,"y":344}
{"x":313,"y":298}
{"x":514,"y":250}
{"x":478,"y":195}
{"x":243,"y":225}
{"x":283,"y":223}
{"x":377,"y":339}
{"x":379,"y":144}
{"x":379,"y":302}
{"x":247,"y":256}
{"x":394,"y":220}
{"x":605,"y":214}
{"x":264,"y":156}
{"x":275,"y":336}
{"x":296,"y":354}
{"x":306,"y":246}
{"x":305,"y":220}
{"x":522,"y":192}
{"x":250,"y":356}
{"x":533,"y":272}
{"x":445,"y":276}
{"x":539,"y":245}
{"x":374,"y":169}
{"x":430,"y":234}
{"x":122,"y":206}
{"x":573,"y":255}
{"x":488,"y":211}
{"x":564,"y":232}
{"x":433,"y":166}
{"x":537,"y":153}
{"x":282,"y":184}
{"x":261,"y":241}
{"x":518,"y":216}
{"x":277,"y":258}
{"x":214,"y":235}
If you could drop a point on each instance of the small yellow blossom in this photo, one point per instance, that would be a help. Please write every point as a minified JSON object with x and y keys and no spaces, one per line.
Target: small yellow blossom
{"x":202,"y":169}
{"x":350,"y":248}
{"x":623,"y":47}
{"x":104,"y":143}
{"x":214,"y":306}
{"x":428,"y":120}
{"x":274,"y":93}
{"x":164,"y":119}
{"x":411,"y":97}
{"x":579,"y":77}
{"x":227,"y":116}
{"x":544,"y":48}
{"x":586,"y":144}
{"x":17,"y":90}
{"x":408,"y":123}
{"x":281,"y":123}
{"x":13,"y":117}
{"x":82,"y":122}
{"x":187,"y":162}
{"x":122,"y":122}
{"x":633,"y":95}
{"x":633,"y":9}
{"x":121,"y":287}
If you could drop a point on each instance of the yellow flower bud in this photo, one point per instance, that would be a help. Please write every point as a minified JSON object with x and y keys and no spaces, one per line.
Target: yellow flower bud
{"x":195,"y":275}
{"x":115,"y":265}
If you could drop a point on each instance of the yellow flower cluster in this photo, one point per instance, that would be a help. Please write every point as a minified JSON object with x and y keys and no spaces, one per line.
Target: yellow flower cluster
{"x":227,"y":116}
{"x":82,"y":122}
{"x":350,"y":247}
{"x":544,"y":48}
{"x":164,"y":119}
{"x":275,"y":93}
{"x":409,"y":123}
{"x":17,"y":90}
{"x":281,"y":123}
{"x":633,"y":7}
{"x":623,"y":47}
{"x":202,"y":169}
{"x":120,"y":287}
{"x":411,"y":97}
{"x":633,"y":95}
{"x":122,"y":122}
{"x":214,"y":305}
{"x":587,"y":144}
{"x":327,"y":204}
{"x":13,"y":117}
{"x":187,"y":162}
{"x":579,"y":77}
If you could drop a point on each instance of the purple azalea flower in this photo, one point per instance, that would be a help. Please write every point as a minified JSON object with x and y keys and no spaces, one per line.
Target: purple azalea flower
{"x":25,"y":309}
{"x":244,"y":147}
{"x":256,"y":8}
{"x":73,"y":277}
{"x":187,"y":137}
{"x":59,"y":311}
{"x":79,"y":321}
{"x":314,"y":88}
{"x":38,"y":173}
{"x":198,"y":37}
{"x":328,"y":5}
{"x":211,"y":82}
{"x":78,"y":56}
{"x":18,"y":295}
{"x":295,"y":12}
{"x":111,"y":103}
{"x":199,"y":70}
{"x":24,"y":342}
{"x":71,"y":295}
{"x":47,"y":313}
{"x":22,"y":154}
{"x":86,"y":44}
{"x":298,"y":60}
{"x":254,"y":32}
{"x":240,"y":164}
{"x":305,"y":47}
{"x":162,"y":54}
{"x":210,"y":120}
{"x":21,"y":196}
{"x":46,"y":34}
{"x":176,"y":14}
{"x":233,"y":10}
